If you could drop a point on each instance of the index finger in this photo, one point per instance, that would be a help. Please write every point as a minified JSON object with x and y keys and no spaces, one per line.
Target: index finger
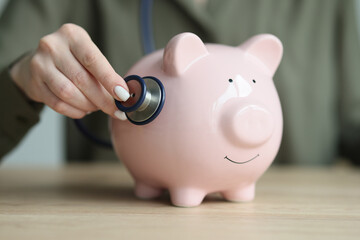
{"x":90,"y":56}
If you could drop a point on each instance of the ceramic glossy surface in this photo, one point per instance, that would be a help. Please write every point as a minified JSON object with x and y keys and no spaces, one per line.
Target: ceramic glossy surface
{"x":220,"y":127}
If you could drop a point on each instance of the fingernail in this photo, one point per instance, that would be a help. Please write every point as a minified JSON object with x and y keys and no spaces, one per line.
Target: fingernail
{"x":122,"y":93}
{"x":120,"y":115}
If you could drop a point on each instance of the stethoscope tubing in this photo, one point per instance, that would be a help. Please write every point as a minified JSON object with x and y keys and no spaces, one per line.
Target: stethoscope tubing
{"x":148,"y":47}
{"x":146,"y":26}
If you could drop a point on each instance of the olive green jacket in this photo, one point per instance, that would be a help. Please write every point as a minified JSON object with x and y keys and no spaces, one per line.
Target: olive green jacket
{"x":318,"y":78}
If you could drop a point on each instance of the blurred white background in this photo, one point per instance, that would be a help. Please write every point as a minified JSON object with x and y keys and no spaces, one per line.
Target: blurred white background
{"x":44,"y":145}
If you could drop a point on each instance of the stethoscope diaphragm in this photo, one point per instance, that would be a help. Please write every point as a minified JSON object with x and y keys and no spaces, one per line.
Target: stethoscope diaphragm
{"x":147,"y":97}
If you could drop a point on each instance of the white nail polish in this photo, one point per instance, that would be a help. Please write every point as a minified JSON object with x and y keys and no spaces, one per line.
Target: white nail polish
{"x":120,"y":115}
{"x":122,"y":93}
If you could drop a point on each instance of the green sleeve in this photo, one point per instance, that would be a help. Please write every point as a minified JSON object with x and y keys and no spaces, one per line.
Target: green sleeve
{"x":22,"y":24}
{"x":18,"y":114}
{"x":349,"y":79}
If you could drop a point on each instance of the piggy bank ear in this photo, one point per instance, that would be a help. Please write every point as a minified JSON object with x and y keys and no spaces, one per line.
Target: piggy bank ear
{"x":267,"y":48}
{"x":181,"y":52}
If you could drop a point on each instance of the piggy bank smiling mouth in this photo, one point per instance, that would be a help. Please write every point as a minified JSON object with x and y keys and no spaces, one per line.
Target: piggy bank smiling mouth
{"x":226,"y":157}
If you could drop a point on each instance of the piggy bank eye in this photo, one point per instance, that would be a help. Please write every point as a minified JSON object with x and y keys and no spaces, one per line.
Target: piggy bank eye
{"x":230,"y":80}
{"x":254,"y":81}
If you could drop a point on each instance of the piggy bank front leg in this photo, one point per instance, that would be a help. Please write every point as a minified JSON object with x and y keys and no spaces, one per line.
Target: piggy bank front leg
{"x":186,"y":197}
{"x":145,"y":191}
{"x":241,"y":194}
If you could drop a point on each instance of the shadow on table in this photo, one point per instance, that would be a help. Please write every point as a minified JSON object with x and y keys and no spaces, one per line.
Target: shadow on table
{"x":105,"y":193}
{"x":85,"y":192}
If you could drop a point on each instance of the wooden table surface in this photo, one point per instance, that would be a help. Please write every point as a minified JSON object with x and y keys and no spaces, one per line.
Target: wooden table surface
{"x":97,"y":202}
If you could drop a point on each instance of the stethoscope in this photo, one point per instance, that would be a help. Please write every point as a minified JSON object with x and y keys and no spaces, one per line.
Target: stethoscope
{"x":146,"y":100}
{"x":147,"y":93}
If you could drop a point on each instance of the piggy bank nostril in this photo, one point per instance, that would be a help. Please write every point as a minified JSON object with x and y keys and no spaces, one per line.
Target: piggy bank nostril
{"x":252,"y":125}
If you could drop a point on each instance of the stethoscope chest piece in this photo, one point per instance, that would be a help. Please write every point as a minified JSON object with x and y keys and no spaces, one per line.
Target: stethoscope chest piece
{"x":147,"y":97}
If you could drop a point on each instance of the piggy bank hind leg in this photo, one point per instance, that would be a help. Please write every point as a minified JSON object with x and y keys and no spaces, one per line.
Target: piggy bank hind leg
{"x":241,"y":194}
{"x":145,"y":191}
{"x":186,"y":197}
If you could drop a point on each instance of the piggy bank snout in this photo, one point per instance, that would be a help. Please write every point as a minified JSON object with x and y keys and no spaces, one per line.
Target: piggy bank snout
{"x":250,"y":126}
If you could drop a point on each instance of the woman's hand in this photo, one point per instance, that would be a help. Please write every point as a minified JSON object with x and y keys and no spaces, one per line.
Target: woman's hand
{"x":68,"y":73}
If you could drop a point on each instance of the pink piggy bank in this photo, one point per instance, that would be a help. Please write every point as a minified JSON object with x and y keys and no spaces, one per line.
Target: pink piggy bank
{"x":220,"y":127}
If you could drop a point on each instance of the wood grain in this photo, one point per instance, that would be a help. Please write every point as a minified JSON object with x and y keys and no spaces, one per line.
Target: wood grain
{"x":97,"y":202}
